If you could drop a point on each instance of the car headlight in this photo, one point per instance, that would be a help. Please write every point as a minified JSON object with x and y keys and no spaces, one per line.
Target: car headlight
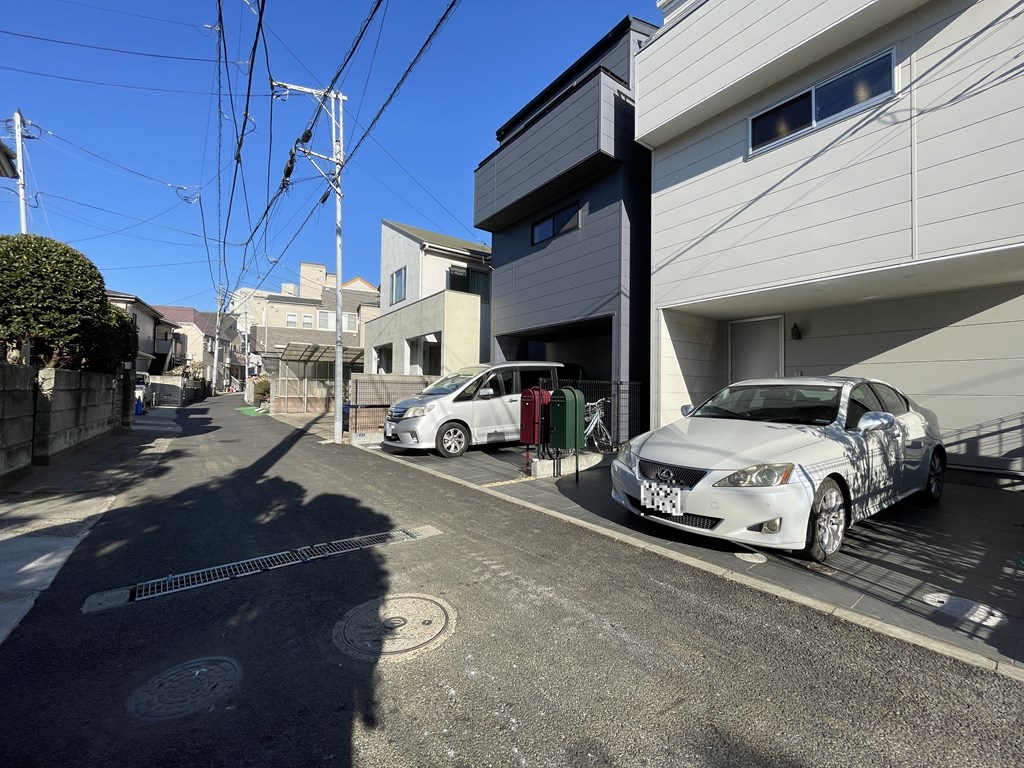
{"x":758,"y":476}
{"x":626,"y":455}
{"x":418,"y":410}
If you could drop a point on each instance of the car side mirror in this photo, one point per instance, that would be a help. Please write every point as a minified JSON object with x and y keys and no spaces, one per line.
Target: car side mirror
{"x":875,"y":420}
{"x":486,"y":393}
{"x":686,"y":410}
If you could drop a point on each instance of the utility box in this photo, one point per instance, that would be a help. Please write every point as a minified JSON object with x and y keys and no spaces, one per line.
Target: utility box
{"x":567,"y":422}
{"x":533,"y":416}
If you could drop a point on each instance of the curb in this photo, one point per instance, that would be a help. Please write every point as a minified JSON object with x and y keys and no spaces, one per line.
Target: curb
{"x":1004,"y":668}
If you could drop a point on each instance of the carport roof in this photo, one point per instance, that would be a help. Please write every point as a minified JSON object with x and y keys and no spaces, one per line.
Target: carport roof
{"x":302,"y":352}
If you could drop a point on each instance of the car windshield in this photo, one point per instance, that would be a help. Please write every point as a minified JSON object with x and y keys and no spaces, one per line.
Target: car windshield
{"x":779,"y":403}
{"x":448,"y":384}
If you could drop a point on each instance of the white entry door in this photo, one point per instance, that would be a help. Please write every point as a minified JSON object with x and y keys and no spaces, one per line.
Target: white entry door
{"x":755,"y":349}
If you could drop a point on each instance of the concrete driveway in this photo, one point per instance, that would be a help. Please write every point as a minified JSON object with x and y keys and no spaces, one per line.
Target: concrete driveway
{"x":950,"y":577}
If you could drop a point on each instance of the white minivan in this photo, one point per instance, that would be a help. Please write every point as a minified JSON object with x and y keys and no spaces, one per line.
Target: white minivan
{"x":476,"y":405}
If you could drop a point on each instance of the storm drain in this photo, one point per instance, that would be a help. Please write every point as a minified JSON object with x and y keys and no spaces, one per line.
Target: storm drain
{"x":191,"y":580}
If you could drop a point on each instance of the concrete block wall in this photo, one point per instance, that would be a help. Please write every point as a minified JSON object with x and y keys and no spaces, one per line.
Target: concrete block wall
{"x":17,"y":406}
{"x":73,"y":407}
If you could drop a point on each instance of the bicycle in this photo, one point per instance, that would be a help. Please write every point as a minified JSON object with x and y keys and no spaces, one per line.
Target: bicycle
{"x":596,"y":434}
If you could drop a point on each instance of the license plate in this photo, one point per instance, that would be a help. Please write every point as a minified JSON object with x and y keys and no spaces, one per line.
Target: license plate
{"x":389,"y":429}
{"x":667,"y":499}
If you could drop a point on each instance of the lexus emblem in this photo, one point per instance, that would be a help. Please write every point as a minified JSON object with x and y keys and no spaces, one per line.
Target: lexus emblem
{"x":665,"y":474}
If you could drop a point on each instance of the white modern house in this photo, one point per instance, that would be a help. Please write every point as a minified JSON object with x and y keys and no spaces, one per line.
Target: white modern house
{"x":838,"y":188}
{"x":434,"y":303}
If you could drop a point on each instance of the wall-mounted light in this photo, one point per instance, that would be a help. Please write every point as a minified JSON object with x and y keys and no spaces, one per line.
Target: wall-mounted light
{"x":794,"y":332}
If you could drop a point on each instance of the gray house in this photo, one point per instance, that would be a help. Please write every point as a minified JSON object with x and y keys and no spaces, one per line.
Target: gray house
{"x":841,"y":191}
{"x":566,"y":197}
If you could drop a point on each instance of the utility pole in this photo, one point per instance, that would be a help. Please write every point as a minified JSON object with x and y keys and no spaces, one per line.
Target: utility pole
{"x":19,"y":147}
{"x":216,"y":340}
{"x":334,"y":101}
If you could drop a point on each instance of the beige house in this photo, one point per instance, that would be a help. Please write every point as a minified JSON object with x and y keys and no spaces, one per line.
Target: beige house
{"x":205,"y":345}
{"x":435,"y":303}
{"x":292,"y":335}
{"x":840,"y":190}
{"x":160,"y":347}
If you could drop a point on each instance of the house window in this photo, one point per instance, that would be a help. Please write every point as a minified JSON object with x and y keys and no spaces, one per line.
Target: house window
{"x":307,"y":321}
{"x":565,"y":220}
{"x":349,"y":322}
{"x":472,"y":281}
{"x":325,"y":320}
{"x":291,"y":320}
{"x":398,"y":286}
{"x":856,"y":89}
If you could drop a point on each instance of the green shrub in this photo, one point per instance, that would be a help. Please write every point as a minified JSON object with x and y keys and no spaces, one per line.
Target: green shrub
{"x":55,"y":299}
{"x":261,"y":389}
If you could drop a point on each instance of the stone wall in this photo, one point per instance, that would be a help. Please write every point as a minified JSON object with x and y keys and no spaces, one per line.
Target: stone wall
{"x":73,"y":407}
{"x":17,"y":409}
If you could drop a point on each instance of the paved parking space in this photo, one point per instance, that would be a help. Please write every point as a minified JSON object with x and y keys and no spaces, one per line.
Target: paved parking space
{"x":950,"y":577}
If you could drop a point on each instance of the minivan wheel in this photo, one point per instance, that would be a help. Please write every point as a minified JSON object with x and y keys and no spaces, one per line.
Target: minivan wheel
{"x":827,"y":521}
{"x":452,"y":440}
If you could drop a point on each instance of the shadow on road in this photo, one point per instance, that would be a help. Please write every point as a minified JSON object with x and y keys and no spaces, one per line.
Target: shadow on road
{"x":265,"y":680}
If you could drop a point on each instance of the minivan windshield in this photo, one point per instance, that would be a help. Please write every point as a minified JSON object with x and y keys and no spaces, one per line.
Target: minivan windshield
{"x":779,"y":403}
{"x":448,"y":384}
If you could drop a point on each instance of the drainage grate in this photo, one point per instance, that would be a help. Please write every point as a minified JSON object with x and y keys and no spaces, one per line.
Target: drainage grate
{"x":182,"y":581}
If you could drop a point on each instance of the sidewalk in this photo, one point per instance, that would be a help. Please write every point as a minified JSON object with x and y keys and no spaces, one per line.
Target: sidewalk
{"x":949,"y":578}
{"x":44,"y":515}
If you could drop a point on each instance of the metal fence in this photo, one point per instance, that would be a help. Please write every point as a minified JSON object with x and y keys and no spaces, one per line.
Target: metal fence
{"x":624,"y":414}
{"x":371,"y":394}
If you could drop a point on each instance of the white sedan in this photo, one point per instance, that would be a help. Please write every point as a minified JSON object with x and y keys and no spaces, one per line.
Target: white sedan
{"x":783,"y":463}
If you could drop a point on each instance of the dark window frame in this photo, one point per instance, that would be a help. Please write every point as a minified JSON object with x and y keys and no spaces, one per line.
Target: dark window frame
{"x":813,"y":121}
{"x":393,"y":294}
{"x":560,"y":222}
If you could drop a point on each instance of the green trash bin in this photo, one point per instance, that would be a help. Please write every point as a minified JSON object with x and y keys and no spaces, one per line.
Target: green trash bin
{"x":567,"y":421}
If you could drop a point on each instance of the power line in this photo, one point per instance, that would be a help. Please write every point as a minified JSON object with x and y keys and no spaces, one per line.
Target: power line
{"x":115,"y":164}
{"x":152,"y":266}
{"x":107,"y":50}
{"x":136,"y":15}
{"x":147,"y":88}
{"x":398,"y":86}
{"x":126,"y":216}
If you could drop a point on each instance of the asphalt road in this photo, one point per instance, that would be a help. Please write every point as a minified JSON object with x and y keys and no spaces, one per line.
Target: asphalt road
{"x":494,"y":635}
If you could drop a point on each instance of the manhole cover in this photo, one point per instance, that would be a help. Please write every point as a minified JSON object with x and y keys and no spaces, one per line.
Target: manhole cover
{"x":184,"y":690}
{"x":394,"y":627}
{"x":751,"y":557}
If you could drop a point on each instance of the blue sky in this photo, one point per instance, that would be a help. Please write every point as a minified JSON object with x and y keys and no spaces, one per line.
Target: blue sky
{"x":129,"y":164}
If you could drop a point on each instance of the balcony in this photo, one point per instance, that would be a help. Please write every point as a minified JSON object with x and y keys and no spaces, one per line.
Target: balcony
{"x":582,"y":134}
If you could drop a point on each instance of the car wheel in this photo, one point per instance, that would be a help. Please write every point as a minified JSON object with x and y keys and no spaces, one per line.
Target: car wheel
{"x":452,"y":440}
{"x":933,"y":486}
{"x":827,"y":521}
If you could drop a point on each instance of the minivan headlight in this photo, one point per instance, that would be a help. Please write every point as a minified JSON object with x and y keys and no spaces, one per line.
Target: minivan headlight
{"x":418,"y":410}
{"x":757,"y":476}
